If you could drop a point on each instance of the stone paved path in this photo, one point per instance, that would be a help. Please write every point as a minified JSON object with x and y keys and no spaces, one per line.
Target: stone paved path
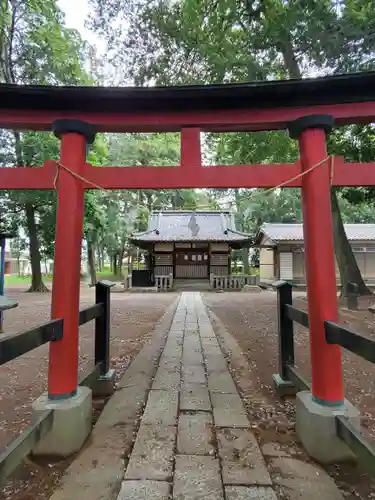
{"x":194,"y":441}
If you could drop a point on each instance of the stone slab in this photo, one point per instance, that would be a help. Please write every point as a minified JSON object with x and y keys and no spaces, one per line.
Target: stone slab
{"x":161,"y":408}
{"x":197,"y":478}
{"x":216,"y":363}
{"x":144,"y":490}
{"x":192,"y":357}
{"x":221,"y":382}
{"x":168,"y":380}
{"x":170,"y":362}
{"x":195,"y":434}
{"x":193,"y":374}
{"x":209,"y":342}
{"x":212,"y":350}
{"x":301,"y":480}
{"x":192,"y":345}
{"x":153,"y":453}
{"x":126,"y":404}
{"x":99,"y":469}
{"x":195,"y":397}
{"x":206,"y":331}
{"x":273,"y":450}
{"x":241,"y":459}
{"x":140,"y":380}
{"x":173,"y":351}
{"x":228,"y":410}
{"x":191,"y":333}
{"x":252,"y":493}
{"x":174,"y":340}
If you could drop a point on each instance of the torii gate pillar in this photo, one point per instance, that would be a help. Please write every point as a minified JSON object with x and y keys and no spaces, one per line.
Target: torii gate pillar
{"x":72,"y":405}
{"x":63,"y":363}
{"x":316,"y":411}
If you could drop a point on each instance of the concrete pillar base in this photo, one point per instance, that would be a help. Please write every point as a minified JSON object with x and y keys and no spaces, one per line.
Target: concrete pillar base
{"x":283,"y":387}
{"x":316,"y":428}
{"x":105,"y":385}
{"x":72,"y":422}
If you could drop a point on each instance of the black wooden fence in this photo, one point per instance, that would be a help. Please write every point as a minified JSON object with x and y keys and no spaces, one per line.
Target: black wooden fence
{"x":14,"y":346}
{"x":335,"y":334}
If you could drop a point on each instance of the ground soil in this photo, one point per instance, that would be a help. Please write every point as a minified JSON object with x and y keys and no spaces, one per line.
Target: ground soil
{"x":24,"y":379}
{"x":252,"y":320}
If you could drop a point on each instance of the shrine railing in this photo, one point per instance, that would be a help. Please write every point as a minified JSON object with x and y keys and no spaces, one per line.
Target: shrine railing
{"x":233,"y":282}
{"x":164,"y":283}
{"x":15,"y":346}
{"x":335,"y":334}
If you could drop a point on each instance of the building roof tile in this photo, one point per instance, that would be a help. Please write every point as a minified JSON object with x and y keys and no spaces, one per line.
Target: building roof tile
{"x":294,"y":232}
{"x":191,"y":226}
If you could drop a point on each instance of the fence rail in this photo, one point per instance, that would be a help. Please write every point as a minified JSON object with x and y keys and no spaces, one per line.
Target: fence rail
{"x":297,"y":315}
{"x":20,"y":447}
{"x":359,"y":344}
{"x":335,"y":334}
{"x":364,"y":450}
{"x":90,"y":313}
{"x":14,"y":346}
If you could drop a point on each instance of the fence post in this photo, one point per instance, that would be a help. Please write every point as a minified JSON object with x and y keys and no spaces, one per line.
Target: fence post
{"x":352,"y":296}
{"x":105,"y":384}
{"x":285,"y":339}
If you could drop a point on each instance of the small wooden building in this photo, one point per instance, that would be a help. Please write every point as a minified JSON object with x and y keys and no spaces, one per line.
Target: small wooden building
{"x":190,"y":245}
{"x":282,"y":251}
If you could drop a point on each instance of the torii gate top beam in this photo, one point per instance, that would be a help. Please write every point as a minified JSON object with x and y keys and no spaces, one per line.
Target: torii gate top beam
{"x":231,"y":107}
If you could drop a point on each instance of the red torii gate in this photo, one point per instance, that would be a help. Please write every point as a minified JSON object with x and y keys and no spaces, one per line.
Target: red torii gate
{"x":308,"y":108}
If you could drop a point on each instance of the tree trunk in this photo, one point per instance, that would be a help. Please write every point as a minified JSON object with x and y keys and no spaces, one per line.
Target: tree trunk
{"x":37,"y":284}
{"x":349,"y":270}
{"x":129,"y":262}
{"x":245,"y":260}
{"x":121,"y":258}
{"x":99,"y":257}
{"x":91,"y":263}
{"x":114,"y":257}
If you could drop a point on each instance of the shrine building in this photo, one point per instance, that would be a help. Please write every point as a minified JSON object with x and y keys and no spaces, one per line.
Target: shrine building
{"x":190,"y":245}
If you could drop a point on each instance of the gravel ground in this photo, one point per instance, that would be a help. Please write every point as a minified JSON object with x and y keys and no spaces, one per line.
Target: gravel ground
{"x":252,"y":320}
{"x":24,"y":379}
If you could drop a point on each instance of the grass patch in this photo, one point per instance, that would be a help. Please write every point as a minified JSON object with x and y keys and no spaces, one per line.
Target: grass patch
{"x":13,"y":279}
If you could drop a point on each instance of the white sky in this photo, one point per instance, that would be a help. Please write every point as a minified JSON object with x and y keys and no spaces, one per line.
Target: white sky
{"x":76,"y":12}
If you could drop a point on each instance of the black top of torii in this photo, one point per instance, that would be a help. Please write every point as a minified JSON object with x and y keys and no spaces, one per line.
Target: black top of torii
{"x":336,"y":89}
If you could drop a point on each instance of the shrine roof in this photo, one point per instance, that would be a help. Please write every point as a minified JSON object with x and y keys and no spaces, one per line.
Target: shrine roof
{"x":336,"y":89}
{"x":278,"y":233}
{"x":170,"y":226}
